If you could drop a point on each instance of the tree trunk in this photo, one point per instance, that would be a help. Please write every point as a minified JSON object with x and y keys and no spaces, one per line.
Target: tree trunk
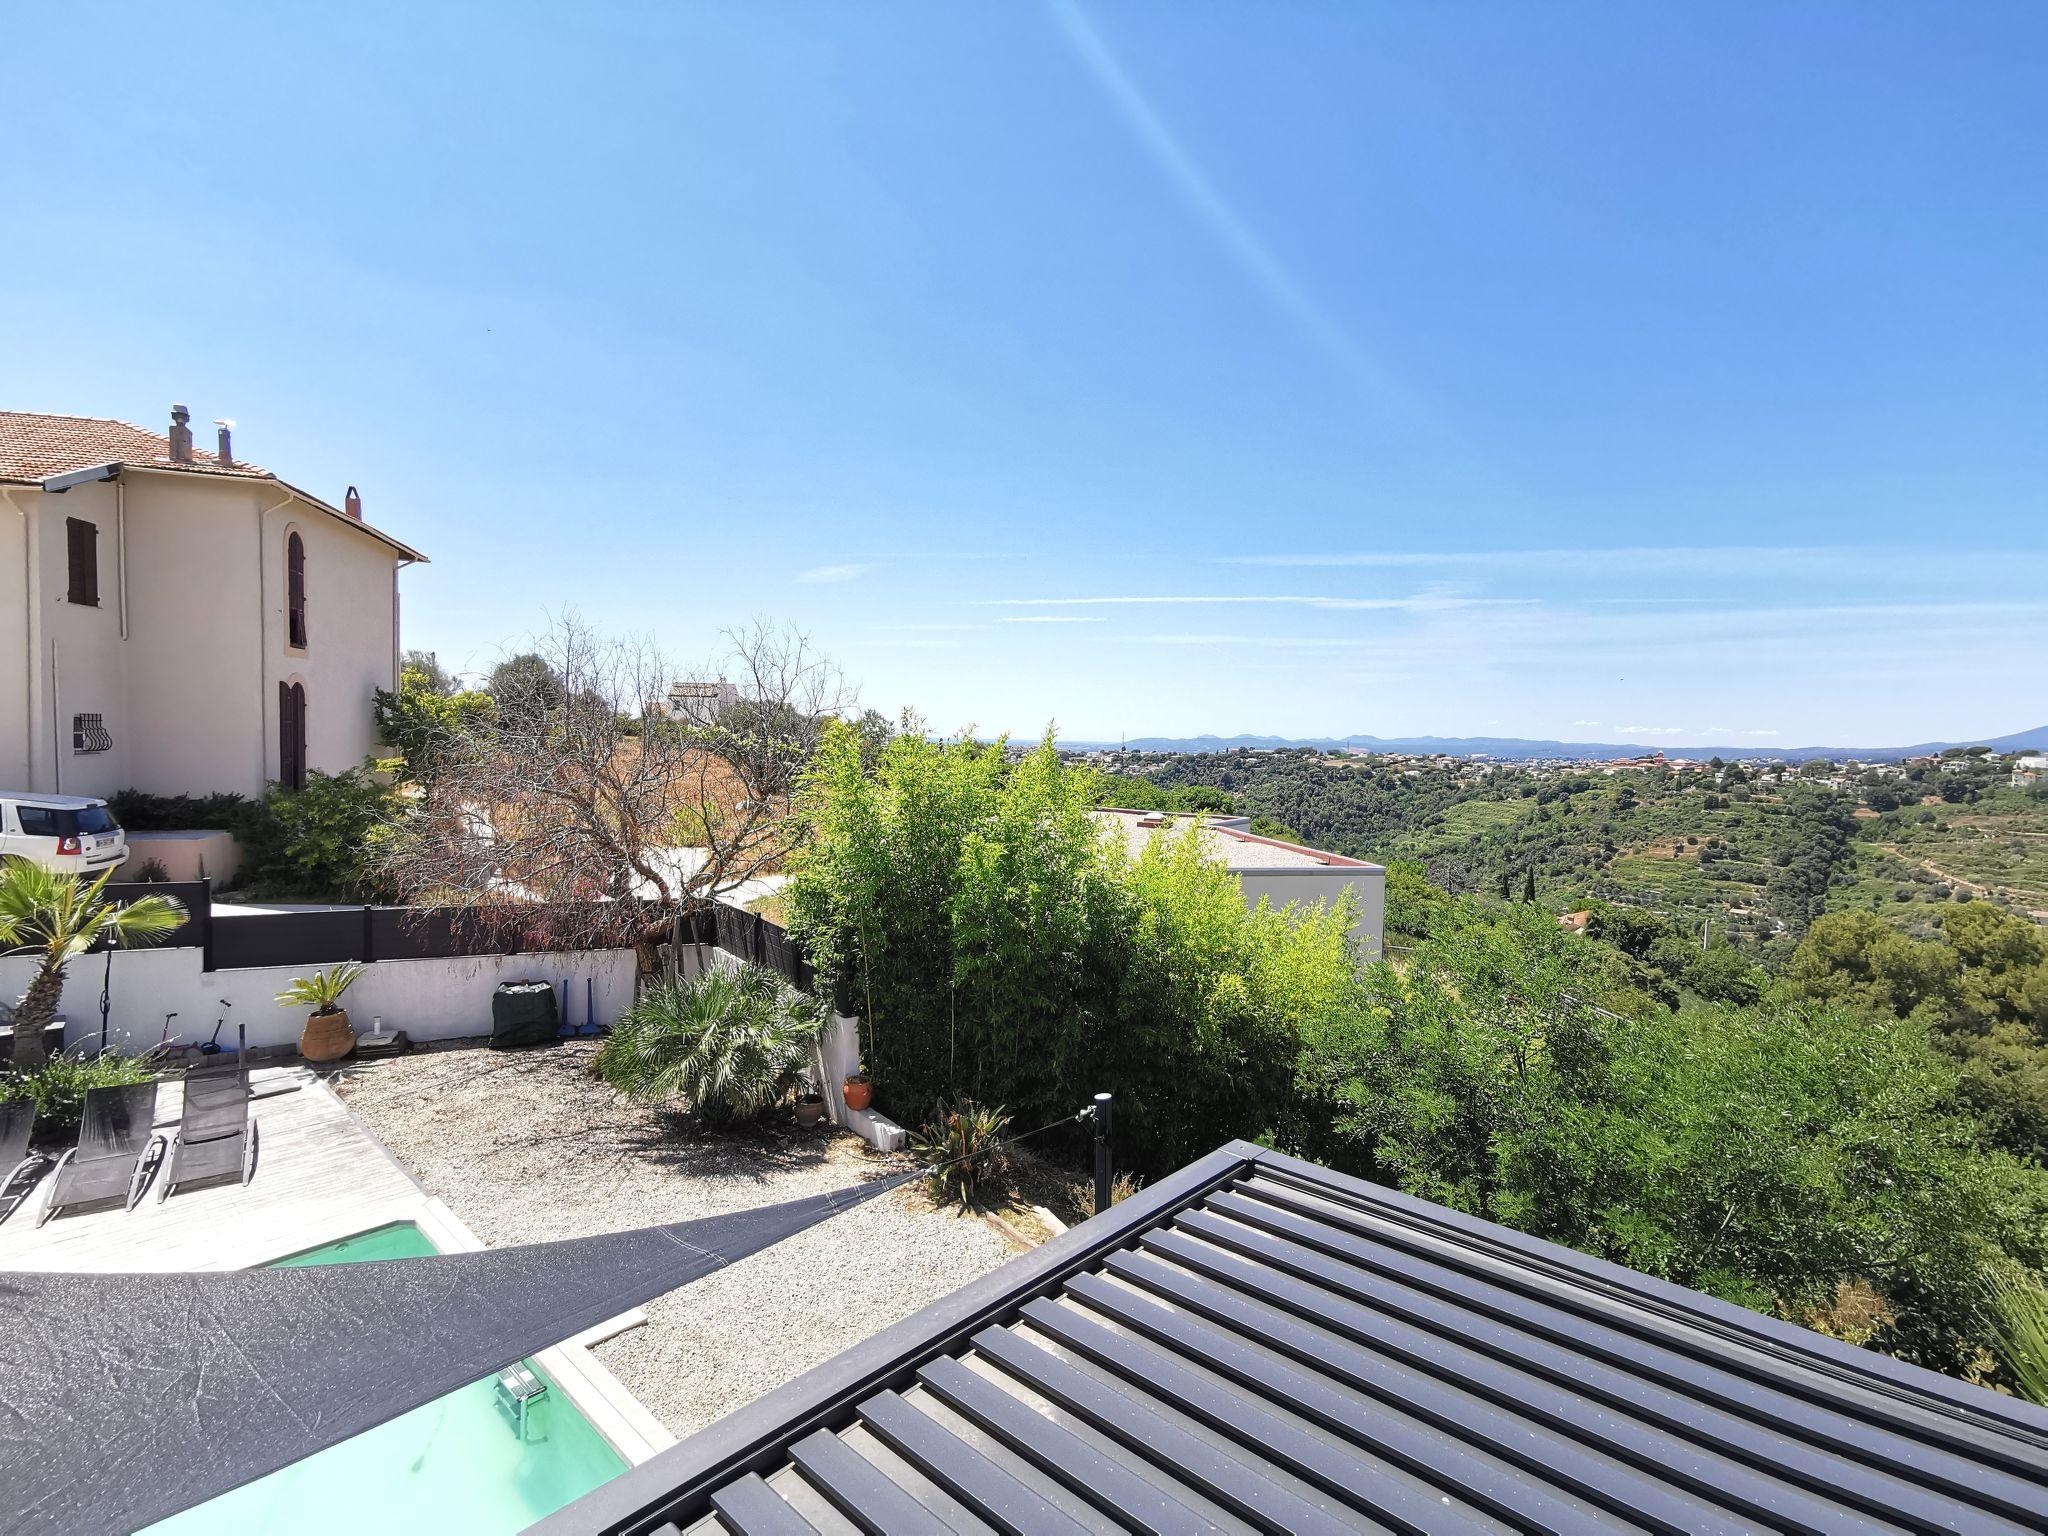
{"x":32,"y":1016}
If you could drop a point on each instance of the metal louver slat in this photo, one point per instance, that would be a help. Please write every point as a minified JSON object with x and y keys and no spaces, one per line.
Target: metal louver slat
{"x":857,"y":1488}
{"x":1230,"y":1480}
{"x":752,"y":1508}
{"x":1064,"y":1455}
{"x":963,"y":1471}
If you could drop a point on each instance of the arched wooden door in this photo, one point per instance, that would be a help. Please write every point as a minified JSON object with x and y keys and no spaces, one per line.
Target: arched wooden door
{"x":291,"y":735}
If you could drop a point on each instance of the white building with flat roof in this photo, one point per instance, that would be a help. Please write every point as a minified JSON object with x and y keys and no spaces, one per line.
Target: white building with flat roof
{"x":1267,"y":867}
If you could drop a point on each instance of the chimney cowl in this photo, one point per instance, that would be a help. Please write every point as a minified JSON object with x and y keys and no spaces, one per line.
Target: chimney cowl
{"x":352,"y":504}
{"x":181,"y":435}
{"x":226,"y":452}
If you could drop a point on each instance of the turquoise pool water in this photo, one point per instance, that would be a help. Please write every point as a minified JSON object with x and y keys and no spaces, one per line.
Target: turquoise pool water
{"x":454,"y":1465}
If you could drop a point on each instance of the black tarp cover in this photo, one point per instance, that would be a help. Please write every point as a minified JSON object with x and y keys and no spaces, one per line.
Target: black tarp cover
{"x":127,"y":1397}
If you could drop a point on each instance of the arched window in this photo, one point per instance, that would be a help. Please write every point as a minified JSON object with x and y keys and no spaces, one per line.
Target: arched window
{"x":295,"y":588}
{"x":291,"y":735}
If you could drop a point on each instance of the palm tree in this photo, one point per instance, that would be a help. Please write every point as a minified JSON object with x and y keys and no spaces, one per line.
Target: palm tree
{"x":60,"y":917}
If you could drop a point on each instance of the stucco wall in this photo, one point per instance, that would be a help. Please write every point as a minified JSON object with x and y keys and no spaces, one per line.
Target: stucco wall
{"x":15,"y":726}
{"x":191,"y":697}
{"x":1368,"y":885}
{"x":429,"y":999}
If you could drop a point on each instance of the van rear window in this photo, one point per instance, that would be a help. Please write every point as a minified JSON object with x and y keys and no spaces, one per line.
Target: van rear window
{"x":96,"y":818}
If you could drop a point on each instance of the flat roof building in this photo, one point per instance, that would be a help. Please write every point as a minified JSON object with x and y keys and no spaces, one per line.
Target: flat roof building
{"x":1280,"y":871}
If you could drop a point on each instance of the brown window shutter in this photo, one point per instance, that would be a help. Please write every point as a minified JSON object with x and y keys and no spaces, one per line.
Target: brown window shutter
{"x":83,"y":551}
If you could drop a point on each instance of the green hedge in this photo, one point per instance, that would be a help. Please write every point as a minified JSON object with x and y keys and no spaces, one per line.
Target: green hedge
{"x":999,"y":948}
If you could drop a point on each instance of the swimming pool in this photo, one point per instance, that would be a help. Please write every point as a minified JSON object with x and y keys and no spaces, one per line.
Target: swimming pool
{"x":454,"y":1465}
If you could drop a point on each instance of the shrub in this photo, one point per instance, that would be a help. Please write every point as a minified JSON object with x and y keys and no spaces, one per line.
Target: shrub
{"x":59,"y":1086}
{"x":140,"y":812}
{"x":323,"y":842}
{"x":730,"y":1043}
{"x":999,"y":947}
{"x":421,"y":721}
{"x":966,"y":1146}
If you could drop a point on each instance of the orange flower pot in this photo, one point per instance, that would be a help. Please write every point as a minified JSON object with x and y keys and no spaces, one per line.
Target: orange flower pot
{"x":859,"y":1095}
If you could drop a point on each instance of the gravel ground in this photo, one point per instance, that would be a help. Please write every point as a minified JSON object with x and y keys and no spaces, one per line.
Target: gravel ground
{"x":527,"y":1146}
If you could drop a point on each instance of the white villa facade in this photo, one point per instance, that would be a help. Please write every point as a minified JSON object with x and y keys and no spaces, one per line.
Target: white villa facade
{"x":177,"y":621}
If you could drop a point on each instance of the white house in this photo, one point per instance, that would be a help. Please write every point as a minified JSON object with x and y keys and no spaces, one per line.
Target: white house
{"x":2030,"y":770}
{"x":1266,"y":866}
{"x":179,"y":621}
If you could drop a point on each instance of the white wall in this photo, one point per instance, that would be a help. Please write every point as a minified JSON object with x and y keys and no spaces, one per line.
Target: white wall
{"x":190,"y":697}
{"x":446,"y":999}
{"x":1367,"y":884}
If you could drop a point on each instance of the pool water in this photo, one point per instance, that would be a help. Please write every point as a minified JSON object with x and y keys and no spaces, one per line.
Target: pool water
{"x":454,"y":1465}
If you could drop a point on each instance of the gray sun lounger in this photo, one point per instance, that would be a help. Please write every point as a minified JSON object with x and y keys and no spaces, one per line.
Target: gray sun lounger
{"x":216,"y":1137}
{"x":111,"y":1160}
{"x":17,"y":1121}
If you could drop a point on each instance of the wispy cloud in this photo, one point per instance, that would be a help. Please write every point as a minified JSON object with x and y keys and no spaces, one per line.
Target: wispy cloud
{"x":1420,"y":602}
{"x":1049,"y":618}
{"x":819,"y":575}
{"x":1214,"y":210}
{"x":1736,"y":730}
{"x":1585,"y":722}
{"x":922,"y":629}
{"x":1694,"y":559}
{"x":1652,"y":730}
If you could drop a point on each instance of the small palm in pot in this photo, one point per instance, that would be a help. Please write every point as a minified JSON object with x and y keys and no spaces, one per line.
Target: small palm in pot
{"x":327,"y":1036}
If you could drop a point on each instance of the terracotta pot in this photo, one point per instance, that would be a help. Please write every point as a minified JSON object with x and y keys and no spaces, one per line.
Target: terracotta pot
{"x":809,"y":1111}
{"x":859,"y":1095}
{"x":327,"y":1036}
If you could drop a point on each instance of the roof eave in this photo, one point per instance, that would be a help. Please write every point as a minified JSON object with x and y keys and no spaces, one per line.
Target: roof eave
{"x":406,"y":550}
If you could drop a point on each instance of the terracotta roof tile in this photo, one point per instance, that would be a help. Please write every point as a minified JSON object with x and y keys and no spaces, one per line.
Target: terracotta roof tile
{"x":35,"y":446}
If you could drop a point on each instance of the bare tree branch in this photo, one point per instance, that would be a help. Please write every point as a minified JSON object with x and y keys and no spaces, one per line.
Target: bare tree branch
{"x":608,"y":794}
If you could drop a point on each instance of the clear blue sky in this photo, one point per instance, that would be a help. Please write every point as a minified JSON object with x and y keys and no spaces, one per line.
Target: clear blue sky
{"x":1609,"y":371}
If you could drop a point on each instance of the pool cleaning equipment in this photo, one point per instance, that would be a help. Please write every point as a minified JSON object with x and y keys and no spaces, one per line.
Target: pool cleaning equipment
{"x":519,"y":1391}
{"x":212,"y":1047}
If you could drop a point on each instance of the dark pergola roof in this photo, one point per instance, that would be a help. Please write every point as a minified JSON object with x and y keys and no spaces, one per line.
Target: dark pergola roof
{"x":1259,"y":1344}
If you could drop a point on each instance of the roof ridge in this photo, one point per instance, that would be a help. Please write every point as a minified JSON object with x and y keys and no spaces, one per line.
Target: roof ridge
{"x":118,"y":421}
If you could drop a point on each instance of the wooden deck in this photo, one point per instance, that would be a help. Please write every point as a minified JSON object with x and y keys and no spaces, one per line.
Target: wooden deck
{"x":320,"y":1176}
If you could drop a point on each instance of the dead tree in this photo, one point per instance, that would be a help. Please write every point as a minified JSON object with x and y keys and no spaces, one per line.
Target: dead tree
{"x":615,"y":804}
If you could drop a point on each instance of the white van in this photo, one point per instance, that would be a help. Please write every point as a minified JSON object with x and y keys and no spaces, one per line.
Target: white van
{"x":72,"y":834}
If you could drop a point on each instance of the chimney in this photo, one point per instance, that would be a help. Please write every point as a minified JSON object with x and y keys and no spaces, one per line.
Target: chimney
{"x":181,"y":435}
{"x":226,"y":455}
{"x":352,"y":504}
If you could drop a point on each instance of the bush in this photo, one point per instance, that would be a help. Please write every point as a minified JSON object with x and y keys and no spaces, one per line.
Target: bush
{"x":139,"y":812}
{"x":1000,"y":948}
{"x":421,"y":721}
{"x":730,"y":1043}
{"x":59,"y":1087}
{"x":1768,"y":1154}
{"x":966,"y":1147}
{"x":323,"y":842}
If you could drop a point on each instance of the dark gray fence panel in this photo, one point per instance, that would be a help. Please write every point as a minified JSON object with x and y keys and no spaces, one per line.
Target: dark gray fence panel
{"x":196,"y":896}
{"x":753,"y":938}
{"x":289,"y":938}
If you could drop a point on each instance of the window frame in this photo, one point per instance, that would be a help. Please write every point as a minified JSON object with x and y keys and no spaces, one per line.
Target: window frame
{"x":295,"y":636}
{"x":82,"y":562}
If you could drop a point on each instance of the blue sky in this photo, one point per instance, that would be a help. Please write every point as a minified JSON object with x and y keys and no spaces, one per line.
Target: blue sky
{"x":1604,"y":371}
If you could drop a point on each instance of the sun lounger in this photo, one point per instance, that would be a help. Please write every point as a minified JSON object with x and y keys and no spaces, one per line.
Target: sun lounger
{"x":216,"y":1138}
{"x":111,"y":1160}
{"x":17,"y":1120}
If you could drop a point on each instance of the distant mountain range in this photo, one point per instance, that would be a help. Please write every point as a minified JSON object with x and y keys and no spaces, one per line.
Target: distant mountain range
{"x":1515,"y":748}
